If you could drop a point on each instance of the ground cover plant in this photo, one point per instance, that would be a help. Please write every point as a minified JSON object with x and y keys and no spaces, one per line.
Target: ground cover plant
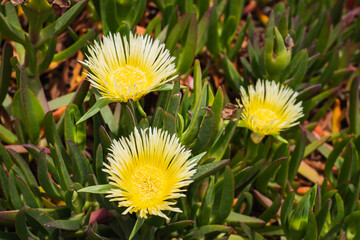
{"x":179,"y":119}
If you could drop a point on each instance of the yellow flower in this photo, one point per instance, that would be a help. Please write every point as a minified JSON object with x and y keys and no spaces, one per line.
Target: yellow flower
{"x":148,"y":171}
{"x":122,"y":70}
{"x":269,"y":108}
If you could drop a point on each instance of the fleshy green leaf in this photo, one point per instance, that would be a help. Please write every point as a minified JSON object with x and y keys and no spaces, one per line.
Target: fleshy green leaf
{"x":232,"y":75}
{"x":55,"y":28}
{"x":200,"y":233}
{"x":127,"y":121}
{"x":174,"y":104}
{"x":102,"y":102}
{"x":69,"y":225}
{"x":25,"y":169}
{"x":100,"y":175}
{"x":81,"y":164}
{"x":5,"y":157}
{"x":187,"y":54}
{"x":354,"y":109}
{"x":268,"y":172}
{"x":322,"y":214}
{"x":169,"y":123}
{"x":299,"y":218}
{"x":98,"y":189}
{"x":207,"y":205}
{"x":177,"y":32}
{"x":206,"y":132}
{"x":12,"y":15}
{"x":5,"y":70}
{"x":44,"y":179}
{"x":213,"y":36}
{"x":13,"y":192}
{"x":196,"y":118}
{"x":69,"y":51}
{"x":346,"y":168}
{"x":234,"y":50}
{"x":72,"y":131}
{"x":297,"y":68}
{"x":206,"y":170}
{"x":28,"y":109}
{"x":105,"y":139}
{"x":311,"y":228}
{"x":12,"y":32}
{"x":219,"y":147}
{"x":339,"y":209}
{"x":235,"y":218}
{"x":198,"y":83}
{"x":74,"y":200}
{"x":64,"y":177}
{"x":7,"y":136}
{"x":28,"y":196}
{"x":172,"y":227}
{"x":139,"y":222}
{"x":165,"y":87}
{"x":229,"y":29}
{"x":155,"y":23}
{"x":227,"y":197}
{"x":272,"y":210}
{"x":49,"y":55}
{"x":315,"y":145}
{"x":203,"y":27}
{"x":31,"y":222}
{"x":297,"y":155}
{"x":4,"y":185}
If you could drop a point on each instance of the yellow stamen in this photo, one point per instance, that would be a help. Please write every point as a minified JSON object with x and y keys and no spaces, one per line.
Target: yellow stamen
{"x":147,"y":183}
{"x":264,"y":116}
{"x":128,"y":77}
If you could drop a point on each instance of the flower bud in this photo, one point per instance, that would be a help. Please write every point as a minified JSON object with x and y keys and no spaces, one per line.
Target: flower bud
{"x":276,"y":58}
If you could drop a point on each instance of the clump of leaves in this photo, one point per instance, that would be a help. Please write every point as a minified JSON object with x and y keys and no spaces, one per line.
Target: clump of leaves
{"x":51,"y":168}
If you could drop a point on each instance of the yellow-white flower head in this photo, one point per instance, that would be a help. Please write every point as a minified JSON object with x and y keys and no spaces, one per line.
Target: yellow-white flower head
{"x":123,"y":69}
{"x":148,"y":171}
{"x":269,"y":108}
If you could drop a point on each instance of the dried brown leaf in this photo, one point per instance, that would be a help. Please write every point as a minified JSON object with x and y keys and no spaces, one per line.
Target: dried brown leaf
{"x":61,"y":3}
{"x":14,"y":2}
{"x":229,"y":111}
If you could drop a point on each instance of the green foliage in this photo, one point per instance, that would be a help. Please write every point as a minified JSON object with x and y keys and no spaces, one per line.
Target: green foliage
{"x":52,"y":183}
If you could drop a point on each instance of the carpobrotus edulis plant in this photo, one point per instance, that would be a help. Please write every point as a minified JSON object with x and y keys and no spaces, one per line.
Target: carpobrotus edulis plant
{"x":123,"y":69}
{"x":269,"y":108}
{"x":127,"y":67}
{"x":148,"y":171}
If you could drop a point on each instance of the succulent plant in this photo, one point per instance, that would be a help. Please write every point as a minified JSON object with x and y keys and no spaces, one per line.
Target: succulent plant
{"x":152,"y":145}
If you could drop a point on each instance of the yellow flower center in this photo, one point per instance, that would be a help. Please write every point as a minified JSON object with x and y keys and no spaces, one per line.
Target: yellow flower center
{"x":147,"y":183}
{"x":264,"y":116}
{"x":129,"y":78}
